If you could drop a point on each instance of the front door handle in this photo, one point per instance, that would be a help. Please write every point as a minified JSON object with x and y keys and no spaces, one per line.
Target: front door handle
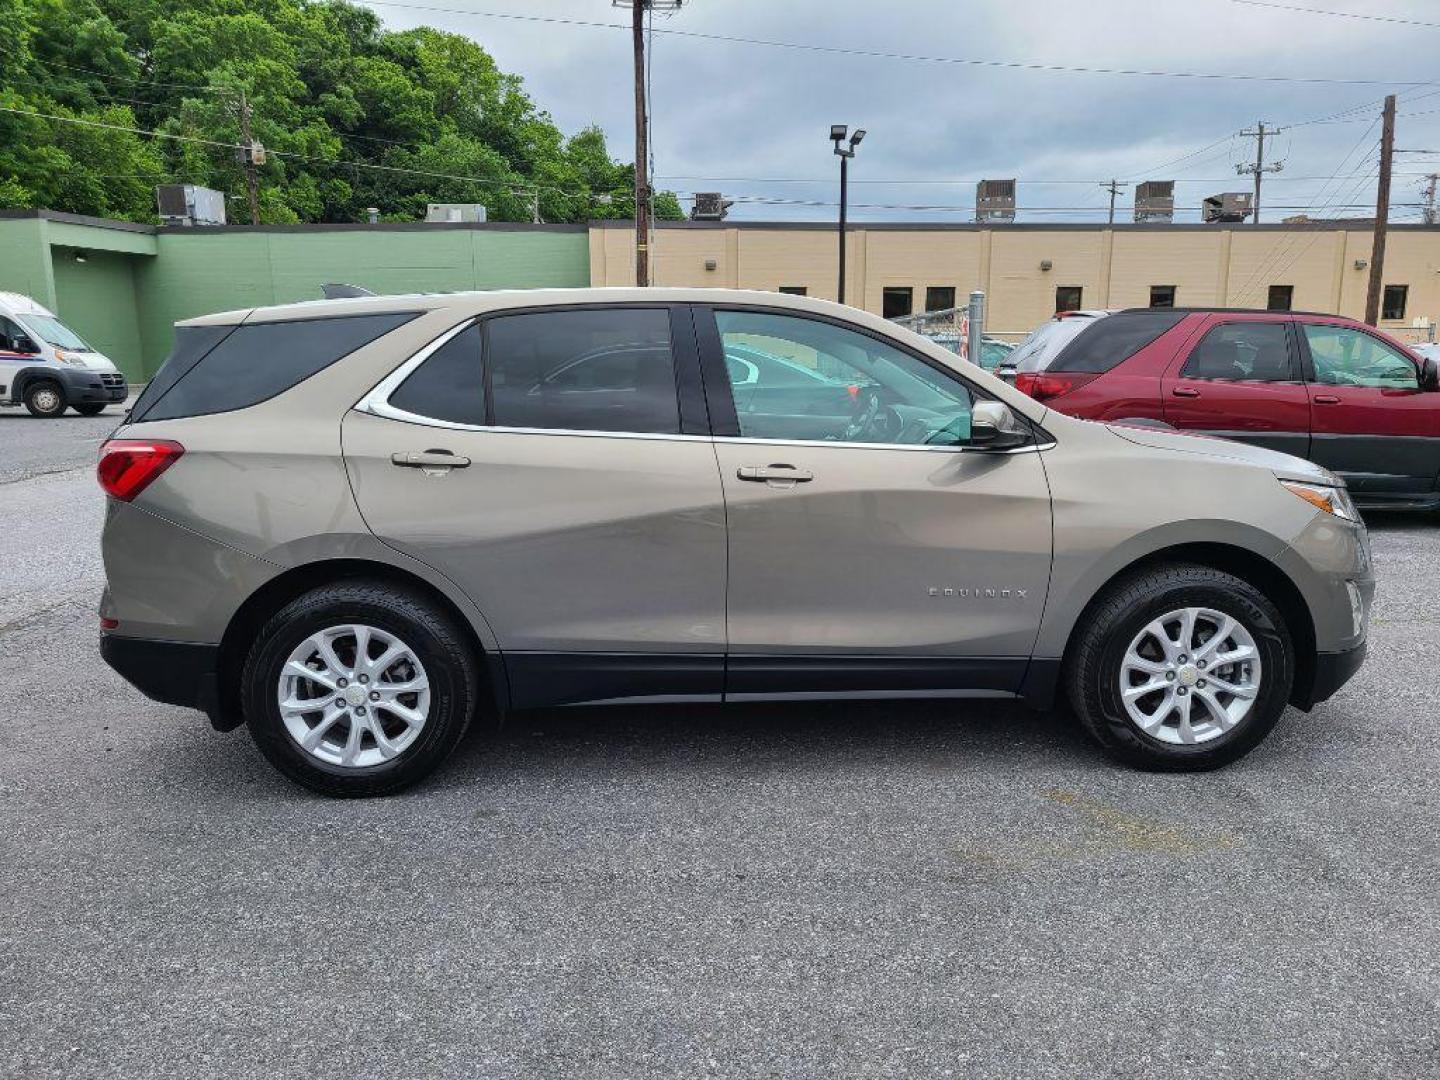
{"x":1325,"y":399}
{"x":1185,"y":391}
{"x":437,"y":460}
{"x":784,"y":474}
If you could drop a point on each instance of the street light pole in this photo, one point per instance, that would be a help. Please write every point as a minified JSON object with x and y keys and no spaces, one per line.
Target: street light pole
{"x":838,"y":133}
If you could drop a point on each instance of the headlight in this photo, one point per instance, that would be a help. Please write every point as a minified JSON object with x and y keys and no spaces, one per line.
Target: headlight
{"x":1333,"y":500}
{"x":66,"y":358}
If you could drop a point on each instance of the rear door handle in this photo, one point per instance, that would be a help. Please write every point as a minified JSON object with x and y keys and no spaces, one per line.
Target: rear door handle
{"x":1185,"y":391}
{"x":764,"y":473}
{"x":1325,"y":399}
{"x":429,"y":459}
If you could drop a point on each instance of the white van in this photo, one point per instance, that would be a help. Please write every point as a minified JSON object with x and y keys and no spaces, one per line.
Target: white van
{"x":46,"y":366}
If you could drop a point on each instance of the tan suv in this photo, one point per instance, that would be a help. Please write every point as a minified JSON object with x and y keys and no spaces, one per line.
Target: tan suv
{"x":359,"y":525}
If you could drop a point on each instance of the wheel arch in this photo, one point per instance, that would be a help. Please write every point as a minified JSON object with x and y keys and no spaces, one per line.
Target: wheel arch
{"x":1247,"y":565}
{"x":25,"y":377}
{"x":298,"y":580}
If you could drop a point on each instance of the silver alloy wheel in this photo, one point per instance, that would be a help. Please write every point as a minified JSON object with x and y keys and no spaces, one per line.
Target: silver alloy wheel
{"x":1190,"y":676}
{"x":353,"y":696}
{"x":47,"y":400}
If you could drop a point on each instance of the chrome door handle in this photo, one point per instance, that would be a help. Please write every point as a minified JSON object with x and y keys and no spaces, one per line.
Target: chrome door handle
{"x":1325,"y":399}
{"x":1185,"y":391}
{"x":762,"y":473}
{"x":429,"y":459}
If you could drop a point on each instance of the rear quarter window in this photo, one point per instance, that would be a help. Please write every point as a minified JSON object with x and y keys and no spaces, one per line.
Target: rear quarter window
{"x":1109,"y":342}
{"x":255,"y":362}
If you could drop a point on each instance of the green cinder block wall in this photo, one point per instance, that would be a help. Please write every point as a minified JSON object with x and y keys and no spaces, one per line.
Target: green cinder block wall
{"x":97,"y":300}
{"x":136,"y":282}
{"x":199,"y":271}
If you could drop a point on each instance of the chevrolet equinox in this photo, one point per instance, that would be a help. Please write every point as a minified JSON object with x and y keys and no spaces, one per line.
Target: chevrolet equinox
{"x":361,"y":526}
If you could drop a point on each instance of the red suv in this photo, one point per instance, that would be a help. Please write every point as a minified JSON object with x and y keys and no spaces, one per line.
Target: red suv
{"x":1321,"y":387}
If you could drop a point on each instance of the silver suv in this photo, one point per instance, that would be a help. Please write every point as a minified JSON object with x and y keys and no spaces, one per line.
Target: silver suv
{"x":361,"y":526}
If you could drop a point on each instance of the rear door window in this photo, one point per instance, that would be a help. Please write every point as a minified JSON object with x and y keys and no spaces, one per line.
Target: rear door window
{"x":252,"y":363}
{"x":1243,"y":352}
{"x":600,"y":369}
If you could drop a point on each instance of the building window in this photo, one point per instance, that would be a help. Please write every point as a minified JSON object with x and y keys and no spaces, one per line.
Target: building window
{"x":1067,"y":297}
{"x":1162,"y":295}
{"x":1393,"y":306}
{"x":1282,"y":297}
{"x":897,"y":300}
{"x":939,"y":297}
{"x":794,"y":290}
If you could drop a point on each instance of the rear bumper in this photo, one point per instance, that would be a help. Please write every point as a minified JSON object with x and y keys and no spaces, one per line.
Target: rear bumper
{"x":181,"y":673}
{"x":1332,"y":671}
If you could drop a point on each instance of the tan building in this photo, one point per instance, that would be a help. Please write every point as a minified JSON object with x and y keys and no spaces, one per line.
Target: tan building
{"x":1029,"y":271}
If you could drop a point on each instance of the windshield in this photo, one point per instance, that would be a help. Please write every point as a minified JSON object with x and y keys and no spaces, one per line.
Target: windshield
{"x":1041,"y":347}
{"x":56,"y":333}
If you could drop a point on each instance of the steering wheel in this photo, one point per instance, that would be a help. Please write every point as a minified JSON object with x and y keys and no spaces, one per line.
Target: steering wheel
{"x":872,"y":421}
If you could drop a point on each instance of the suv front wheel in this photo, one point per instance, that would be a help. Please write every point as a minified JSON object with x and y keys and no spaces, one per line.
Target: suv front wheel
{"x":359,"y":688}
{"x":1181,"y":667}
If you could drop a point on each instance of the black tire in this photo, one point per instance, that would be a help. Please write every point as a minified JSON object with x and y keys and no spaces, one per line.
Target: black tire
{"x":1110,"y":624}
{"x":90,"y":408}
{"x":441,"y":646}
{"x":45,"y":398}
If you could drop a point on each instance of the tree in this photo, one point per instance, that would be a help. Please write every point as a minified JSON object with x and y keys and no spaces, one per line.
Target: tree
{"x":352,"y":115}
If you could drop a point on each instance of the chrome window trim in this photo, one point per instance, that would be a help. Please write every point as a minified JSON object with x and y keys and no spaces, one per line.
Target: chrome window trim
{"x":377,"y":403}
{"x":910,"y":447}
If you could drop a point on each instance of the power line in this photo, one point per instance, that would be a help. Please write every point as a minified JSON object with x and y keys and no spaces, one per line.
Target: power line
{"x":517,"y":184}
{"x":1396,"y":19}
{"x":837,"y":50}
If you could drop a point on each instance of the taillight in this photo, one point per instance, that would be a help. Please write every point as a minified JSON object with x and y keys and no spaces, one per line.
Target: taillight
{"x":1043,"y":385}
{"x":127,"y":466}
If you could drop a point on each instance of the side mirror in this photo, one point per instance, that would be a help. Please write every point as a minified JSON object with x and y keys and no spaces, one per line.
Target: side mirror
{"x":1429,"y":373}
{"x":994,"y":427}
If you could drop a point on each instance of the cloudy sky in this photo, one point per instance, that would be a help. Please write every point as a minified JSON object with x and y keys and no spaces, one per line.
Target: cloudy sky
{"x":752,"y":120}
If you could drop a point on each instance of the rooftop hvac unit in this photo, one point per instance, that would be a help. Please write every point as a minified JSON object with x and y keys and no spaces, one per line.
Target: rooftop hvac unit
{"x":710,"y":206}
{"x":1155,"y":200}
{"x":995,"y":200}
{"x":190,"y":204}
{"x":1228,"y":206}
{"x":455,"y":212}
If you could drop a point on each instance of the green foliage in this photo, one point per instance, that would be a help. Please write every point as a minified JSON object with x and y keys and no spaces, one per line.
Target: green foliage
{"x":351,"y":115}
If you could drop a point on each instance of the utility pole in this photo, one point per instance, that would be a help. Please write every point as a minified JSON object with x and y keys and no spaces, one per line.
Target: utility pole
{"x":1259,"y":168}
{"x":1113,"y":187}
{"x":1382,"y":213}
{"x":1431,"y":212}
{"x":642,"y":150}
{"x":252,"y":188}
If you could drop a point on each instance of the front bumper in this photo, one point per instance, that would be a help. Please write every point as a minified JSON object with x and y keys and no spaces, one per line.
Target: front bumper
{"x":1332,"y":671}
{"x":83,"y":386}
{"x":171,"y":672}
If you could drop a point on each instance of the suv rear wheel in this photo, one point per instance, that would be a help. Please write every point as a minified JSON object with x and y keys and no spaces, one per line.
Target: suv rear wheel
{"x":359,"y":688}
{"x":45,"y":398}
{"x":1181,"y":667}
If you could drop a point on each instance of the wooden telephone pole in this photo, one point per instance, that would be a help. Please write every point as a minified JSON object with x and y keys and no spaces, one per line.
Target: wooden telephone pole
{"x":1382,"y":214}
{"x":252,"y":187}
{"x":642,"y":149}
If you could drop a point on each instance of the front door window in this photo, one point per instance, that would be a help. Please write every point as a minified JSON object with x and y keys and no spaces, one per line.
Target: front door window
{"x":1345,"y":357}
{"x":797,"y":378}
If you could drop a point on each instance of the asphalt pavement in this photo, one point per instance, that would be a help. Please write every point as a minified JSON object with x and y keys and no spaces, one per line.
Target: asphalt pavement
{"x":870,"y":890}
